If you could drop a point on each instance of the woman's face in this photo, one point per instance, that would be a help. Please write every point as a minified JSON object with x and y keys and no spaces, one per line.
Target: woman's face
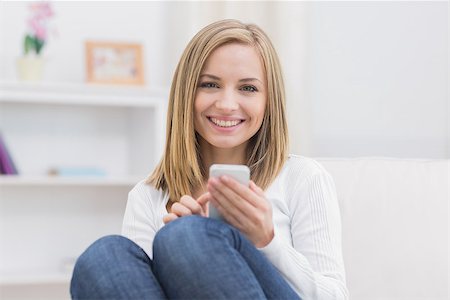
{"x":231,"y":97}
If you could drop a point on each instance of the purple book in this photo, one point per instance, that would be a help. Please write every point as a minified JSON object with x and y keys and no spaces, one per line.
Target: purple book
{"x":2,"y":170}
{"x":6,"y":163}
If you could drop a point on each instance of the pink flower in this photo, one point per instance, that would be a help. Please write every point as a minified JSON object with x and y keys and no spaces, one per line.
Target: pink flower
{"x":41,"y":13}
{"x":41,"y":10}
{"x":36,"y":37}
{"x":38,"y":28}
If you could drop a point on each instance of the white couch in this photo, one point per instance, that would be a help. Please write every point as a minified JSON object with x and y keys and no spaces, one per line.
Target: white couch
{"x":395,"y":226}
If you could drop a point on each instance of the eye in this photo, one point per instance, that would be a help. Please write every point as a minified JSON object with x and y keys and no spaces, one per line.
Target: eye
{"x":249,"y":88}
{"x":208,"y":85}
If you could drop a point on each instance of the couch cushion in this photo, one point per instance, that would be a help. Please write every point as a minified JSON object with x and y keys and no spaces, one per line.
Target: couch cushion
{"x":394,"y":225}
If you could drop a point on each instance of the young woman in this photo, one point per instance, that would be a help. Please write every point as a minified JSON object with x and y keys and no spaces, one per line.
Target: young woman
{"x":281,"y":235}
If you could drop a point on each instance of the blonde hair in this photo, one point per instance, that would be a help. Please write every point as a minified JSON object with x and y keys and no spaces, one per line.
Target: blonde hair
{"x":180,"y":171}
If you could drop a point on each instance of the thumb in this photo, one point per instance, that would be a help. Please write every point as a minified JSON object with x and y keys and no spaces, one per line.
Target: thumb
{"x":203,"y":199}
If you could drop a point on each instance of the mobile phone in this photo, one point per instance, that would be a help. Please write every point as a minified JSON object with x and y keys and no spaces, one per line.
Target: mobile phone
{"x":241,"y":173}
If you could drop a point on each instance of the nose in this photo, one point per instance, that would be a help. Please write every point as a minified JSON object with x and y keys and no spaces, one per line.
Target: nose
{"x":227,"y":101}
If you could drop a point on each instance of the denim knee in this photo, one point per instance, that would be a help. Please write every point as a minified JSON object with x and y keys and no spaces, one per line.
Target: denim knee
{"x":179,"y":237}
{"x":93,"y":259}
{"x":178,"y":230}
{"x":95,"y":252}
{"x":114,"y":267}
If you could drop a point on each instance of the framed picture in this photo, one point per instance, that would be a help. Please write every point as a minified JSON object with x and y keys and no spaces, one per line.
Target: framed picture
{"x":114,"y":63}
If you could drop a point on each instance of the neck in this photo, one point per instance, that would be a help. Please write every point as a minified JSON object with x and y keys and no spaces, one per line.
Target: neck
{"x":213,"y":155}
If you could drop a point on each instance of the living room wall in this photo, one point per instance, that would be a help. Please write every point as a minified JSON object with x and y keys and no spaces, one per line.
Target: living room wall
{"x":362,"y":78}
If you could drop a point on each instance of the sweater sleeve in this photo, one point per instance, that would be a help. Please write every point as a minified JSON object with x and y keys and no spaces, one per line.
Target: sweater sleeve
{"x":313,"y":263}
{"x":139,"y":224}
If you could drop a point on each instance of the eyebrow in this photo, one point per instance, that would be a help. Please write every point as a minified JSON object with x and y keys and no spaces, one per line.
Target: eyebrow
{"x":240,"y":80}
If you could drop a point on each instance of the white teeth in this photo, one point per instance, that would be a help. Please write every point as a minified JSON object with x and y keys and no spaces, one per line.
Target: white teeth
{"x":223,"y":123}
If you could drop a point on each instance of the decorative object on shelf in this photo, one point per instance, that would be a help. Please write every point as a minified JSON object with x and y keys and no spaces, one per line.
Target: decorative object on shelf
{"x":31,"y":65}
{"x":114,"y":63}
{"x":77,"y":171}
{"x":7,"y":166}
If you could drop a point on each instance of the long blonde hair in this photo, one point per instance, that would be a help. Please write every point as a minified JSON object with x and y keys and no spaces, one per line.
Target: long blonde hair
{"x":180,"y":171}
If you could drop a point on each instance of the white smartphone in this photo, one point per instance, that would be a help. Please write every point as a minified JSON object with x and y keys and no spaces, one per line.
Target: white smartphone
{"x":240,"y":173}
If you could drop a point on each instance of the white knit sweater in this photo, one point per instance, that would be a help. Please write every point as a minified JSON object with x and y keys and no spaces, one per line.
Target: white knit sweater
{"x":306,"y":248}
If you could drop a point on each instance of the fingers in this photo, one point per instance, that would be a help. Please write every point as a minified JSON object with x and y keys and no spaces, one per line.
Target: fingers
{"x":203,"y":199}
{"x":239,"y":189}
{"x":231,"y":219}
{"x":180,"y":210}
{"x":233,"y":202}
{"x":235,"y":190}
{"x":169,"y":218}
{"x":225,"y":205}
{"x":203,"y":202}
{"x":256,"y":189}
{"x":246,"y":208}
{"x":188,"y":206}
{"x":191,"y":204}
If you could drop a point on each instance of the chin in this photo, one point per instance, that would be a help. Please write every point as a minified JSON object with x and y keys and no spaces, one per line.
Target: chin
{"x":226,"y":144}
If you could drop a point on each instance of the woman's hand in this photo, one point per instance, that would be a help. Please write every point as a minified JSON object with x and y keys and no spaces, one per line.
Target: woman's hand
{"x":246,"y":208}
{"x":188,"y":206}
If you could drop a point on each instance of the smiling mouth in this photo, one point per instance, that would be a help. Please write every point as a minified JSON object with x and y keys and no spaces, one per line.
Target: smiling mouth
{"x":225,"y":123}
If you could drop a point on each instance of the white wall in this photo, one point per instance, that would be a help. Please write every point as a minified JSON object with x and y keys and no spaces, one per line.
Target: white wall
{"x":76,"y":22}
{"x":363,"y":78}
{"x":379,"y":78}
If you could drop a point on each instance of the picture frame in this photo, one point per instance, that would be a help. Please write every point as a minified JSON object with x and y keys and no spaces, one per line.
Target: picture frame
{"x":114,"y":63}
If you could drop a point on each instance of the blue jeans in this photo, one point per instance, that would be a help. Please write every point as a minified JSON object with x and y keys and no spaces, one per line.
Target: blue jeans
{"x":193,"y":258}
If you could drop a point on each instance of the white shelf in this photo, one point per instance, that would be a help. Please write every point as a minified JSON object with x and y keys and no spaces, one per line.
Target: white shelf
{"x":81,"y":94}
{"x":22,"y":277}
{"x":17,"y":180}
{"x":116,"y":129}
